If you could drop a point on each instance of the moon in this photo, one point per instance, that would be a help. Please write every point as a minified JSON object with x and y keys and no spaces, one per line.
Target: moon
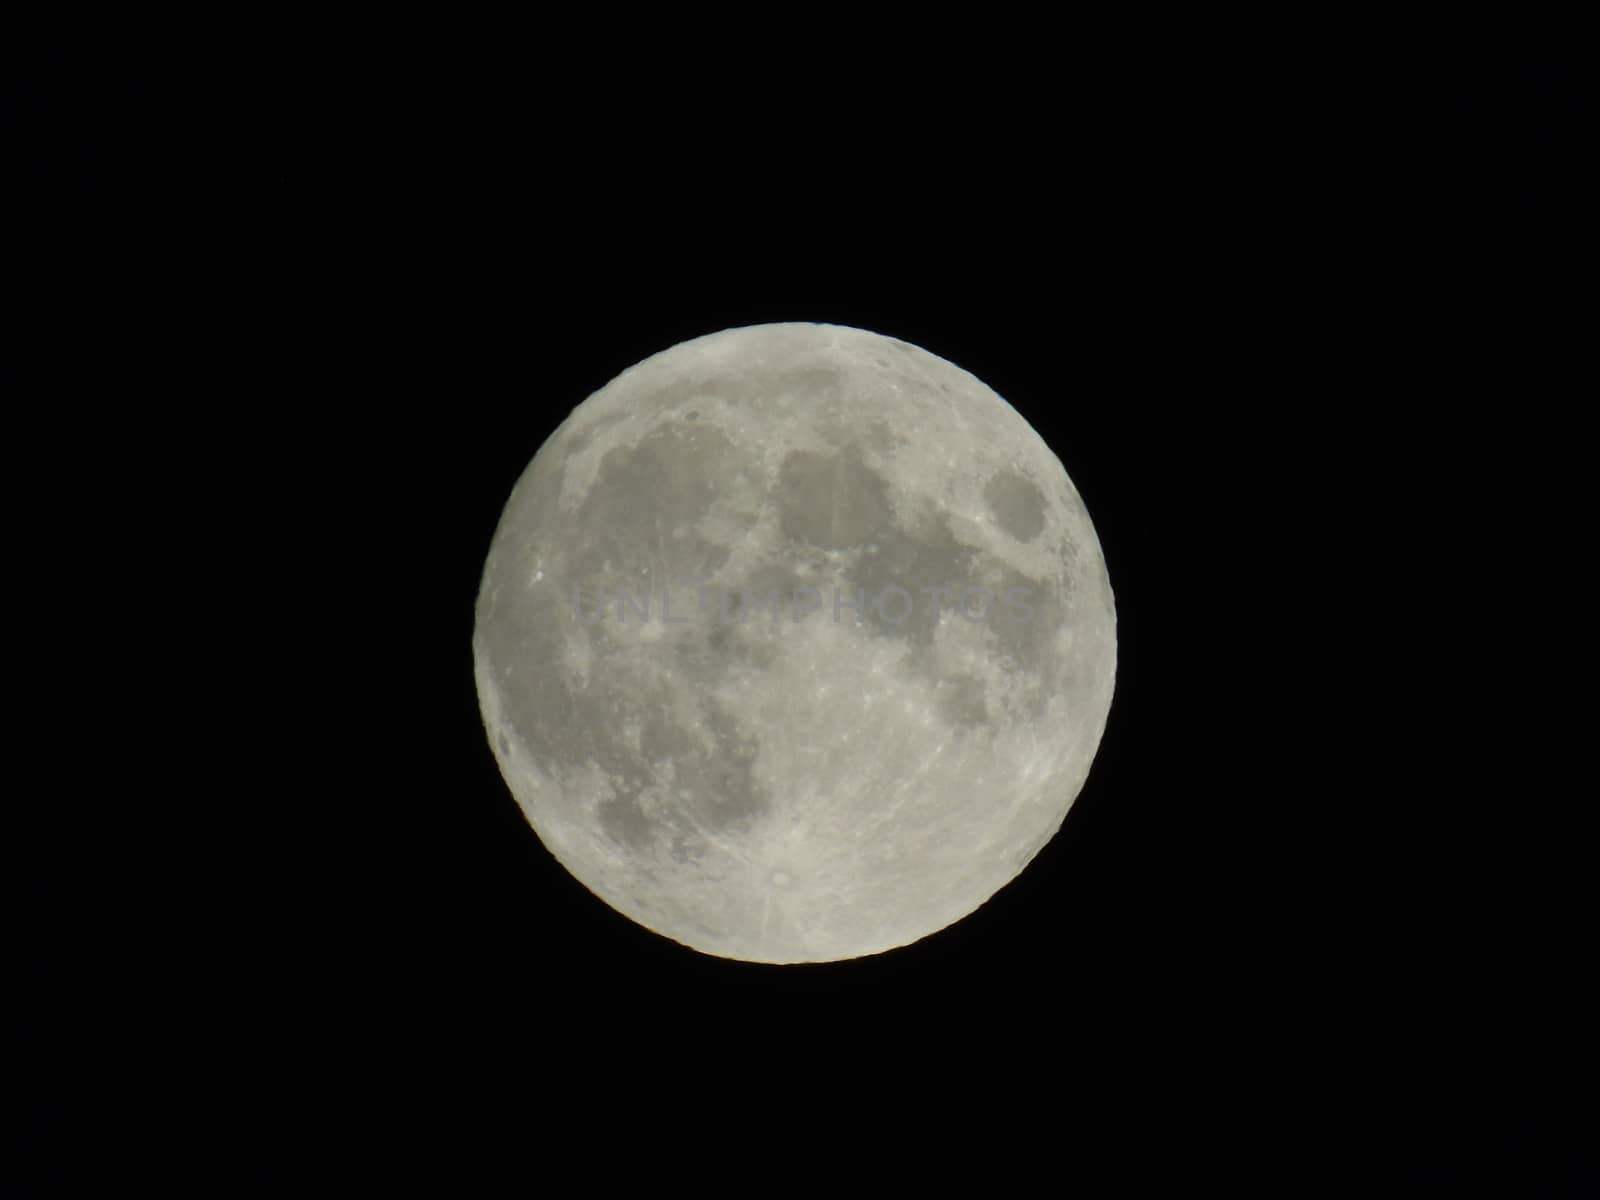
{"x":795,"y":643}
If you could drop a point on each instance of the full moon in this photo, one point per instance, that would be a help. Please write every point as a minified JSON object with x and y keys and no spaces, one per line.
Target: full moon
{"x":795,"y":643}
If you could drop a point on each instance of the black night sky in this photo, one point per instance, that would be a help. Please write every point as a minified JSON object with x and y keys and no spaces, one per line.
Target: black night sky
{"x":1305,"y":344}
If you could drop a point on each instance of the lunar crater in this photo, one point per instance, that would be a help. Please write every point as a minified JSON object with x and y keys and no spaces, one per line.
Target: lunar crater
{"x":1017,"y":504}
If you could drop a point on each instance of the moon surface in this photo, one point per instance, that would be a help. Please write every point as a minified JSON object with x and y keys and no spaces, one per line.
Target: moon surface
{"x":795,"y":643}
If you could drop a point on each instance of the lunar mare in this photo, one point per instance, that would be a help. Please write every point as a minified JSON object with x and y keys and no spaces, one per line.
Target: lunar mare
{"x":791,"y":782}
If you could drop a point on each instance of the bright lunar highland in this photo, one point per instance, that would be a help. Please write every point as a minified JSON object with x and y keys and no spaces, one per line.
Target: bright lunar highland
{"x":795,"y":643}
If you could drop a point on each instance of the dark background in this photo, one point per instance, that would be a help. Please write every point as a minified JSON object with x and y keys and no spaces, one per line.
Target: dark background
{"x":1304,"y":340}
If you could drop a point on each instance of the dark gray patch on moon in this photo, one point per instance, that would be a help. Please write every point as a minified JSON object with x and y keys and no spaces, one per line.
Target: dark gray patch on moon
{"x":721,"y":784}
{"x":648,"y":497}
{"x":1016,"y":504}
{"x":920,"y":562}
{"x":1026,"y":617}
{"x":624,"y":822}
{"x":961,"y":702}
{"x":701,"y":787}
{"x":711,"y":644}
{"x":830,"y":501}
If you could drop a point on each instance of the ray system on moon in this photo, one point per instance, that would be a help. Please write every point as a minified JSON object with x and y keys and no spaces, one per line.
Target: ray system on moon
{"x":795,"y":643}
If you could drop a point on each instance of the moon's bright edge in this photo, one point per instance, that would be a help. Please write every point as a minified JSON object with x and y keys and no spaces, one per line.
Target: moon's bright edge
{"x":787,"y":763}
